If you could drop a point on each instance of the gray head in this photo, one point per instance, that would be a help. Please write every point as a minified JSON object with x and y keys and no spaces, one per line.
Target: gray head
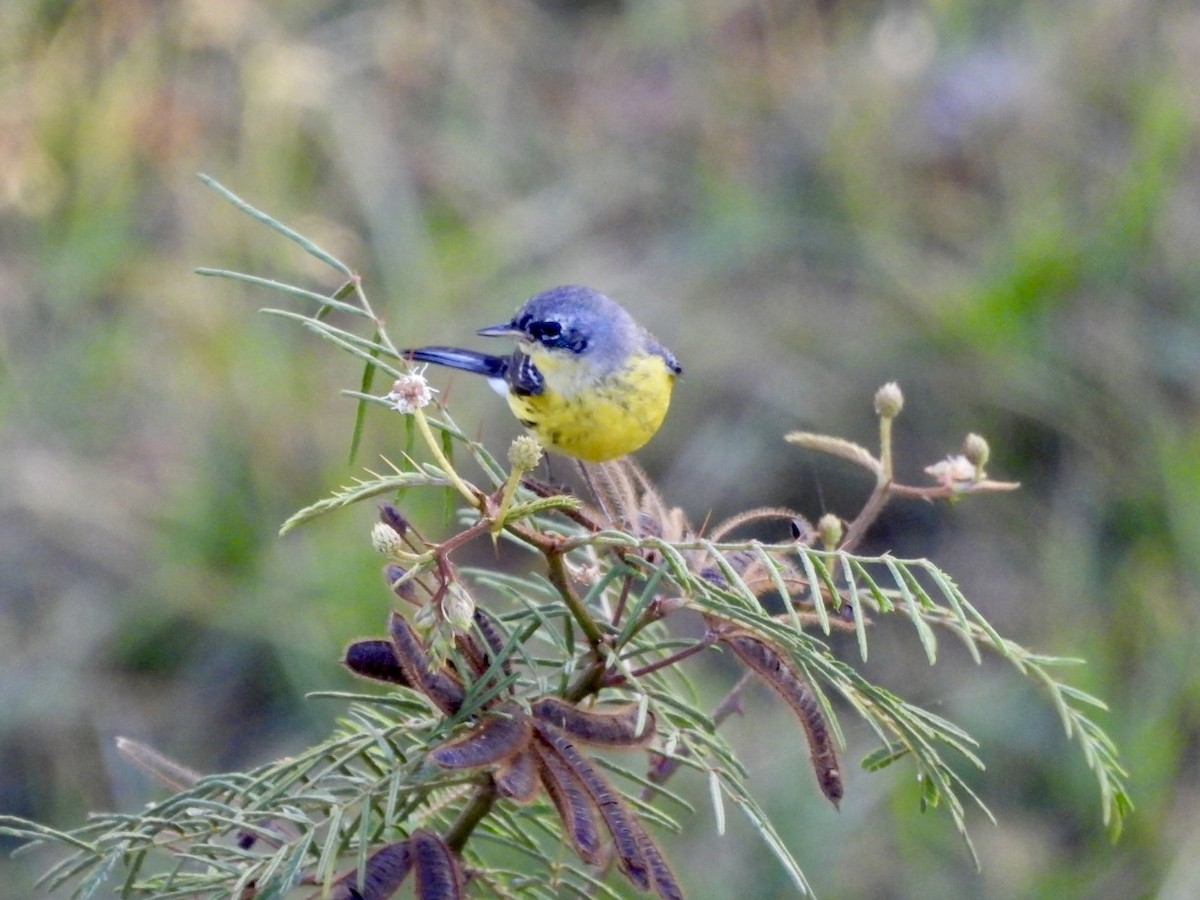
{"x":580,"y":320}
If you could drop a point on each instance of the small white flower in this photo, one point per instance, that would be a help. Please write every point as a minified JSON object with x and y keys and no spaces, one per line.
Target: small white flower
{"x":410,"y":392}
{"x":955,"y":472}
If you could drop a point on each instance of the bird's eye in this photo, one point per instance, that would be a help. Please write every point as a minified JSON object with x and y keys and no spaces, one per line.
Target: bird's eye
{"x":545,"y":332}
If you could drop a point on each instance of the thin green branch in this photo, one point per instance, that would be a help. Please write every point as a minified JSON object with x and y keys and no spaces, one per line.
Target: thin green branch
{"x":295,"y":236}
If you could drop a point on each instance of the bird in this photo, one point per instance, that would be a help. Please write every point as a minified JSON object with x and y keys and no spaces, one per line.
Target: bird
{"x":585,"y":379}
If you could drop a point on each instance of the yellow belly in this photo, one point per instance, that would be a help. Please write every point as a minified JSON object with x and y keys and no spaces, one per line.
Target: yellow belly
{"x":596,"y":420}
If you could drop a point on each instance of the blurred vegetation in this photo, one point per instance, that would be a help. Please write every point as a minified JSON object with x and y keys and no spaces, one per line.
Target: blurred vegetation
{"x":996,"y":204}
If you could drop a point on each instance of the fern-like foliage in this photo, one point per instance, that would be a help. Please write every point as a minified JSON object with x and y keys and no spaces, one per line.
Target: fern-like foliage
{"x":476,"y":772}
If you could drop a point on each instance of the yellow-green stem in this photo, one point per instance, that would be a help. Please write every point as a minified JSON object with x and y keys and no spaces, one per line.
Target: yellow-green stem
{"x":885,"y":449}
{"x":506,"y":497}
{"x":434,"y":448}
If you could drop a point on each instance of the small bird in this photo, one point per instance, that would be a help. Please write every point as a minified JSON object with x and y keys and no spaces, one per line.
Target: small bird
{"x":586,"y":379}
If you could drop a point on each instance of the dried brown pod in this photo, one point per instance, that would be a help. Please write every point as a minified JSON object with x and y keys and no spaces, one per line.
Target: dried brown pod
{"x":496,"y":736}
{"x":473,"y":653}
{"x":610,"y":727}
{"x":480,"y":653}
{"x":375,"y":658}
{"x":778,"y":672}
{"x":403,"y":588}
{"x":665,"y":884}
{"x":575,"y":805}
{"x":383,"y":874}
{"x":440,"y":686}
{"x":627,"y":832}
{"x":516,"y":776}
{"x":436,"y":870}
{"x":492,"y":636}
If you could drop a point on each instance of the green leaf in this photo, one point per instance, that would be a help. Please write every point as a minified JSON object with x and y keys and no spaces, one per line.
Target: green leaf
{"x":883,"y":757}
{"x":275,"y":225}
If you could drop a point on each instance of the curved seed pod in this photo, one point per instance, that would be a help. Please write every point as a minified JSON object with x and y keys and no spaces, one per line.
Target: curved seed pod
{"x":405,"y":590}
{"x":777,"y":671}
{"x":385,"y":871}
{"x":612,"y":727}
{"x":436,"y":870}
{"x":375,"y":658}
{"x":575,"y":805}
{"x":472,"y":652}
{"x":661,"y":875}
{"x":495,"y":638}
{"x":516,"y":776}
{"x":441,"y":687}
{"x":627,"y":832}
{"x":646,"y":867}
{"x":473,"y":649}
{"x":495,"y":737}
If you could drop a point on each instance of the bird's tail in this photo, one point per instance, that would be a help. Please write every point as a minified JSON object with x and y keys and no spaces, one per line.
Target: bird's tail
{"x":457,"y":358}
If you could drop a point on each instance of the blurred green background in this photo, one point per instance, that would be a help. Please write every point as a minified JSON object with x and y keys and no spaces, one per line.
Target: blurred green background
{"x":995,"y":203}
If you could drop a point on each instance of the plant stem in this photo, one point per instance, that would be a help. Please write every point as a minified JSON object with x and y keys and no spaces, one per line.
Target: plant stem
{"x":434,"y":448}
{"x":561,"y":579}
{"x":481,"y":804}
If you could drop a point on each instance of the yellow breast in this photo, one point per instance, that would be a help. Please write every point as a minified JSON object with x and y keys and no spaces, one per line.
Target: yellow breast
{"x":596,"y":419}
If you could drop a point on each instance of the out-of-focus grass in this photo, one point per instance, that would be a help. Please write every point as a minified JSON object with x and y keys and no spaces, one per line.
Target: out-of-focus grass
{"x":996,"y":204}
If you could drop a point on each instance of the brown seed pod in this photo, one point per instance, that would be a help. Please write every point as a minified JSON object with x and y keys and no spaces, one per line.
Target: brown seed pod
{"x":375,"y":658}
{"x":436,"y":870}
{"x":627,"y":832}
{"x":516,"y":776}
{"x":492,"y":635}
{"x":661,"y":875}
{"x":778,"y":672}
{"x":575,"y":805}
{"x":440,"y":686}
{"x":385,"y":871}
{"x":496,"y":736}
{"x":480,"y":653}
{"x":394,"y":575}
{"x":472,"y":651}
{"x":611,"y":727}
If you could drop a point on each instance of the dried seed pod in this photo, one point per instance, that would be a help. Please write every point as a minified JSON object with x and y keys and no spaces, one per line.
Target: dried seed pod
{"x":639,"y":856}
{"x":778,"y":672}
{"x":516,"y":776}
{"x":627,"y":832}
{"x":575,"y":805}
{"x":472,"y":649}
{"x":375,"y":658}
{"x":472,"y":652}
{"x":404,"y":589}
{"x":383,"y":874}
{"x":611,"y":727}
{"x":436,"y":870}
{"x":495,"y":737}
{"x":665,"y":884}
{"x":495,"y":638}
{"x":440,"y":686}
